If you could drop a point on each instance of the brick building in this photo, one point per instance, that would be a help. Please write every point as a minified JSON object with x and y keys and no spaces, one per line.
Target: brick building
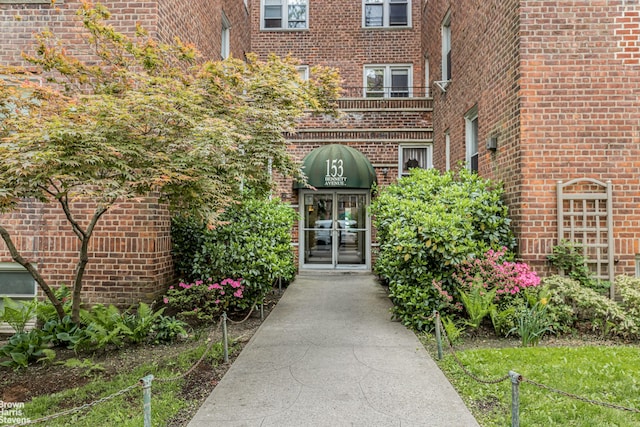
{"x":528,"y":92}
{"x":385,"y":114}
{"x":131,"y":248}
{"x":537,"y":93}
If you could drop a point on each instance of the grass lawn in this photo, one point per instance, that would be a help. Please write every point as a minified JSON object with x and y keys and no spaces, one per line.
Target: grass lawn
{"x":604,"y":373}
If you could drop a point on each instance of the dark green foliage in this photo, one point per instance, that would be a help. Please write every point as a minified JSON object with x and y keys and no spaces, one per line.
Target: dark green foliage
{"x":46,"y":311}
{"x":25,"y":347}
{"x":427,"y":223}
{"x":252,"y":241}
{"x":140,"y":324}
{"x":167,"y":329}
{"x":568,"y":258}
{"x":63,"y":333}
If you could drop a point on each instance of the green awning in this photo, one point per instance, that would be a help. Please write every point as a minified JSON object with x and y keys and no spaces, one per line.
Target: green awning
{"x":337,"y":166}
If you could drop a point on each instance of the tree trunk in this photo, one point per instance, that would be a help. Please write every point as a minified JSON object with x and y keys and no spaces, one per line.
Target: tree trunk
{"x":17,"y":257}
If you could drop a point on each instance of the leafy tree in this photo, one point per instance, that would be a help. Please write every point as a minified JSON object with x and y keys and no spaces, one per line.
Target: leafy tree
{"x":139,"y":117}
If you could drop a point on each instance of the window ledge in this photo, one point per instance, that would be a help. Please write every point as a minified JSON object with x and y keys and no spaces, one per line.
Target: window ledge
{"x":283,"y":30}
{"x":395,"y":27}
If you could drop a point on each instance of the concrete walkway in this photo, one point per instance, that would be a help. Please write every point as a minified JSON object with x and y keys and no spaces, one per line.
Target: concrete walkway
{"x":329,"y":355}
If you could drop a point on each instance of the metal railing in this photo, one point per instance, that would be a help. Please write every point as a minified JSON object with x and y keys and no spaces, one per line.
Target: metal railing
{"x":385,"y":92}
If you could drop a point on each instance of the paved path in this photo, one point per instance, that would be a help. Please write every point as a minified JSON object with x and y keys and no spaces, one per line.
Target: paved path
{"x":328,"y":355}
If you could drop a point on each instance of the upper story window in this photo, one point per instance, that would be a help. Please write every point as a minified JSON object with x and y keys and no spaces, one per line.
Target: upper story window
{"x":387,"y":81}
{"x":446,"y":48}
{"x":413,"y":156}
{"x":284,"y":14}
{"x":226,"y":26}
{"x":386,"y":13}
{"x":471,"y":138}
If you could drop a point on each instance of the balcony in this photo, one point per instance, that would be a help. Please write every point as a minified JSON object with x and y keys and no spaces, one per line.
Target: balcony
{"x":385,"y":98}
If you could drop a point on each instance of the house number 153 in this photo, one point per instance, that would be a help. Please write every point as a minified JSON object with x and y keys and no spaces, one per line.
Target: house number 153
{"x":335,"y":167}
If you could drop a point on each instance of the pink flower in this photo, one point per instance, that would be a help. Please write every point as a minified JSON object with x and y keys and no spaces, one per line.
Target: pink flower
{"x":166,"y":300}
{"x":238,"y":293}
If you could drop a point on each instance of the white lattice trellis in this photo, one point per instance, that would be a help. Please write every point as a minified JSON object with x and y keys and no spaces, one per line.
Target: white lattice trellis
{"x":585,"y":219}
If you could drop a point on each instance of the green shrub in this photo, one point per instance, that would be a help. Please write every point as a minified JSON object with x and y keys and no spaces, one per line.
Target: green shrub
{"x":629,"y":290}
{"x":580,"y":307}
{"x":428,"y":223}
{"x":252,"y":241}
{"x":24,"y":348}
{"x":140,"y":324}
{"x":18,"y":314}
{"x":168,"y":329}
{"x":203,"y":300}
{"x":64,"y":333}
{"x":46,"y":311}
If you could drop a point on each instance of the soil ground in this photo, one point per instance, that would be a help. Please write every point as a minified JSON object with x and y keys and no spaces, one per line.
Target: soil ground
{"x":37,"y":380}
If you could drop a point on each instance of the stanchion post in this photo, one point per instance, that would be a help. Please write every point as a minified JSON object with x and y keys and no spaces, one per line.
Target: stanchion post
{"x":436,"y":316}
{"x":262,"y":311}
{"x":146,"y":396}
{"x":280,"y":284}
{"x":225,"y":340}
{"x":515,"y":398}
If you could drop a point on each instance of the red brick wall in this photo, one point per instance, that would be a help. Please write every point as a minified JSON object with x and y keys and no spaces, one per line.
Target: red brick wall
{"x":200,"y":22}
{"x":19,"y":22}
{"x":484,"y":72}
{"x":129,"y":255}
{"x":335,"y":38}
{"x":556,"y":83}
{"x":580,"y":113}
{"x":130,"y":258}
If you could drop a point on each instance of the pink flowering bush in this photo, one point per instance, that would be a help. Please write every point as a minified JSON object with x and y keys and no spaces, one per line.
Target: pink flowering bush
{"x":506,"y":277}
{"x":205,"y":300}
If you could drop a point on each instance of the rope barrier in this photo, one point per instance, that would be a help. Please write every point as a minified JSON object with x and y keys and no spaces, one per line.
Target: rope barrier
{"x":526,"y":380}
{"x":147,"y":380}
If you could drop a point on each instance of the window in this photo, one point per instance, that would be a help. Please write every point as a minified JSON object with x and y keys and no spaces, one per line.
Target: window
{"x":284,"y":14}
{"x":471,"y":132}
{"x":303,"y":72}
{"x":224,"y":49}
{"x":447,"y":150}
{"x":446,"y":48}
{"x":386,"y":13}
{"x":17,"y":284}
{"x":387,"y":81}
{"x":413,"y":156}
{"x":426,"y":78}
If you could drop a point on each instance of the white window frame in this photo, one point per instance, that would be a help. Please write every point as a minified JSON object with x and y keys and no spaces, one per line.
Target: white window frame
{"x":446,"y":47}
{"x":401,"y":147}
{"x":427,"y":92}
{"x":386,"y":6}
{"x":388,"y":69}
{"x":6,"y":267}
{"x":471,"y":139}
{"x":303,"y":72}
{"x":447,"y":150}
{"x":225,"y":48}
{"x":284,"y":14}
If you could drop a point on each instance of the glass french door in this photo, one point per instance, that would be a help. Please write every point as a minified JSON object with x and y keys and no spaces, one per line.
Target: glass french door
{"x":335,"y":230}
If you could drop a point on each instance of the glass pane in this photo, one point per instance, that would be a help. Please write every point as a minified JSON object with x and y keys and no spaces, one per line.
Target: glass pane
{"x":415,"y":157}
{"x":352,"y":229}
{"x":297,"y":15}
{"x":375,"y":82}
{"x":399,"y":83}
{"x":373,"y":15}
{"x":272,"y":12}
{"x":318,"y":221}
{"x":398,"y":14}
{"x":16,"y":283}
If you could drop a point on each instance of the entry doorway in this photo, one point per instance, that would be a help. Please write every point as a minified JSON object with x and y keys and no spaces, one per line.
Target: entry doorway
{"x":335,"y":229}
